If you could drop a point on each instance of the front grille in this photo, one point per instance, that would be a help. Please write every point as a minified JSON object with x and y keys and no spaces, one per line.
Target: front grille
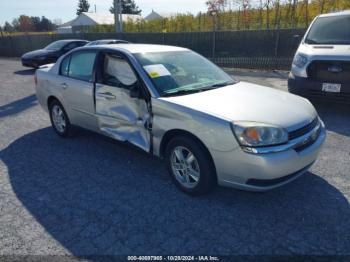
{"x":310,"y":141}
{"x":304,"y":130}
{"x":321,"y":71}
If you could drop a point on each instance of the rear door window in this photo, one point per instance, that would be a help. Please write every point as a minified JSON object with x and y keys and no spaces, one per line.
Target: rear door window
{"x":79,"y":65}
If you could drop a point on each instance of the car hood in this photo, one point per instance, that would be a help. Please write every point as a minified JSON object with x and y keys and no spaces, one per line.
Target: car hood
{"x":38,"y":53}
{"x":323,"y":51}
{"x":249,"y":102}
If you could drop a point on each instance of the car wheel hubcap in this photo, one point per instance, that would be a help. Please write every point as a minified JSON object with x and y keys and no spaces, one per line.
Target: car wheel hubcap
{"x":58,"y":119}
{"x":185,"y":167}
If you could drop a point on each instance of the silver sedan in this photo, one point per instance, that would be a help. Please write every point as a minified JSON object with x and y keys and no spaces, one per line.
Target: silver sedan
{"x":171,"y":102}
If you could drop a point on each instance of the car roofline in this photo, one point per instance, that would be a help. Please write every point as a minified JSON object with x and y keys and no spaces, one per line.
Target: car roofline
{"x":128,"y":47}
{"x":338,"y":13}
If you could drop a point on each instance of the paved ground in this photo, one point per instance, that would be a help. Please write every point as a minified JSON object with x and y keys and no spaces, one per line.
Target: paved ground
{"x":91,"y":195}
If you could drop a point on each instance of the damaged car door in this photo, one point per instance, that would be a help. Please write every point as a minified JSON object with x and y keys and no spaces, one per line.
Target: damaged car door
{"x":121,"y":109}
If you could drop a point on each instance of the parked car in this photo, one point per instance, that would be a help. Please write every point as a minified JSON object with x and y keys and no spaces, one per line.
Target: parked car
{"x":321,"y":66}
{"x":50,"y":53}
{"x":175,"y":104}
{"x":107,"y":42}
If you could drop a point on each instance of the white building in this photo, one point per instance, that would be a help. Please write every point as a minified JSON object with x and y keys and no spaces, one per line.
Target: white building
{"x":159,"y":15}
{"x":64,"y":30}
{"x":92,"y":19}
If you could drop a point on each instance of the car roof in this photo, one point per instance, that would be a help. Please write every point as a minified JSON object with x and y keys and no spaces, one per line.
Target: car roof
{"x":340,"y":13}
{"x":102,"y":40}
{"x":142,"y":48}
{"x":72,"y":40}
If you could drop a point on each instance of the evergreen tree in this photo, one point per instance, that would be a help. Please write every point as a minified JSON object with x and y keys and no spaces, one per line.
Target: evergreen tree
{"x":46,"y":24}
{"x":15,"y":24}
{"x":128,"y":7}
{"x":36,"y":23}
{"x":8,"y":28}
{"x":83,"y":6}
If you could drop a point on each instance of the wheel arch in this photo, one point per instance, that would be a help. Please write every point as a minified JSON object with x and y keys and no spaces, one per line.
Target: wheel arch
{"x":170,"y":134}
{"x":50,"y":99}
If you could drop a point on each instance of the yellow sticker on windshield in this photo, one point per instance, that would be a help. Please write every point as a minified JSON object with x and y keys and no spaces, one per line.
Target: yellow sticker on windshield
{"x":155,"y":71}
{"x":153,"y":74}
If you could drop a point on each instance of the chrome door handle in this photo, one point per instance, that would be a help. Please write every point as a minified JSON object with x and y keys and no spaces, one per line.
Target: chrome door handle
{"x":64,"y":85}
{"x":107,"y":95}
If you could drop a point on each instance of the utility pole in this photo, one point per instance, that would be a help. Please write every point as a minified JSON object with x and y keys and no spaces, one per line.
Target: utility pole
{"x":120,"y":16}
{"x":117,"y":16}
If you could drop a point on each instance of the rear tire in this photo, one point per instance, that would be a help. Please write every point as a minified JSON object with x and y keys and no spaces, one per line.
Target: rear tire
{"x":59,"y":119}
{"x":190,"y":166}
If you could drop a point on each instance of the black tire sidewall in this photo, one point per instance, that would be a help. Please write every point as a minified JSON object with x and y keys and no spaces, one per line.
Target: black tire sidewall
{"x":67,"y":130}
{"x":207,"y":179}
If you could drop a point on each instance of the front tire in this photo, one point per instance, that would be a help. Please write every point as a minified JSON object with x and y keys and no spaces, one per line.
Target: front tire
{"x":59,"y":119}
{"x":190,"y":166}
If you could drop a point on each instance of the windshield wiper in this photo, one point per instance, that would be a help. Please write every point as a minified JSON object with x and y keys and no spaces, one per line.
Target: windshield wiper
{"x":197,"y":90}
{"x":221,"y":84}
{"x":181,"y":92}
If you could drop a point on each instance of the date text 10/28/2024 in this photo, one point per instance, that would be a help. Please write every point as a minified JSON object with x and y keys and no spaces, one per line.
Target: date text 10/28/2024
{"x":173,"y":258}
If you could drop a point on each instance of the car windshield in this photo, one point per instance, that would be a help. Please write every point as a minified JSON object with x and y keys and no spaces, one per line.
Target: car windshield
{"x":56,"y":45}
{"x":330,"y":30}
{"x":181,"y":72}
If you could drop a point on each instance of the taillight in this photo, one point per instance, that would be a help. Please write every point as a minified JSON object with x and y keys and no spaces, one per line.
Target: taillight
{"x":35,"y":79}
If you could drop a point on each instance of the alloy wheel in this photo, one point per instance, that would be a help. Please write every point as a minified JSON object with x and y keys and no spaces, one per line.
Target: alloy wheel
{"x":58,"y":118}
{"x":185,"y":167}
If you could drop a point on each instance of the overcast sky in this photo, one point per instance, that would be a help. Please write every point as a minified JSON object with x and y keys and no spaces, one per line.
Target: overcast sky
{"x":66,"y":9}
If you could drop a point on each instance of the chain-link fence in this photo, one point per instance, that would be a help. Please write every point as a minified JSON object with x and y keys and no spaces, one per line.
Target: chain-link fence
{"x":257,"y":49}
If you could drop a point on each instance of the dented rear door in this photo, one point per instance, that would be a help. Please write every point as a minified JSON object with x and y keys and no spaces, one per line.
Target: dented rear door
{"x":119,"y":115}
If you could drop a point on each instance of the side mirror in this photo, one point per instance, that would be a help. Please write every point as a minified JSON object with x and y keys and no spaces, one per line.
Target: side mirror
{"x":135,"y":91}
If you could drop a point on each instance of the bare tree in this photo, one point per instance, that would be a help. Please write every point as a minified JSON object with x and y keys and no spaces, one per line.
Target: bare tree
{"x":293,"y":13}
{"x":215,"y":7}
{"x":260,"y":14}
{"x":306,"y":6}
{"x":277,"y":13}
{"x":267,"y":5}
{"x":321,"y":6}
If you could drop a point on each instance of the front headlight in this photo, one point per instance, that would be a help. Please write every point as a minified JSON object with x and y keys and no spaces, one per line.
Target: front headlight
{"x":300,"y":60}
{"x":253,"y":134}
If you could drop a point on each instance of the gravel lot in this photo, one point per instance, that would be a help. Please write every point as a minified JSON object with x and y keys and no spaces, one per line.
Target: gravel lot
{"x":92,"y":195}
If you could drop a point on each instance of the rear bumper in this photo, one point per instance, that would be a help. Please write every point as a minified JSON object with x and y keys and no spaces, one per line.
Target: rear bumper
{"x":312,"y":89}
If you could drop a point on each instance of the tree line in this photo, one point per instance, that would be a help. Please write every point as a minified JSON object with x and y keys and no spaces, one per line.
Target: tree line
{"x":26,"y":23}
{"x":127,"y":7}
{"x":220,"y":15}
{"x":237,"y":15}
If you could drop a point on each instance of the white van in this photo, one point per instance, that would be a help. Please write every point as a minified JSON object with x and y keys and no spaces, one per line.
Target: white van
{"x":321,"y":65}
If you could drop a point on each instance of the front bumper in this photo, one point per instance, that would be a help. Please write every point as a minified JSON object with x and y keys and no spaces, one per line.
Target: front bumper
{"x":312,"y":89}
{"x":31,"y":62}
{"x":262,"y":172}
{"x":35,"y":63}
